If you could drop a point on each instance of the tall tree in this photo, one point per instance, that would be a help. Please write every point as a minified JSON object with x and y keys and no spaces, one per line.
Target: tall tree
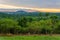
{"x":22,"y":22}
{"x":54,"y":20}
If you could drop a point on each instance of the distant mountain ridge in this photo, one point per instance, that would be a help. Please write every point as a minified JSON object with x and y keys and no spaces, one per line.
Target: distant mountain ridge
{"x":14,"y":10}
{"x":25,"y":12}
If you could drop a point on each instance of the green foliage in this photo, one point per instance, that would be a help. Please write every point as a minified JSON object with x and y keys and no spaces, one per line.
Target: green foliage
{"x":7,"y":24}
{"x":34,"y":27}
{"x":22,"y":22}
{"x":29,"y":25}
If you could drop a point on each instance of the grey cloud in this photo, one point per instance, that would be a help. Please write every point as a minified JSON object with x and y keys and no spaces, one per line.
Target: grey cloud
{"x":33,"y":3}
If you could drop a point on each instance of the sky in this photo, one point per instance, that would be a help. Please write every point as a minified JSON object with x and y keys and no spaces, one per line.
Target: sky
{"x":50,"y":4}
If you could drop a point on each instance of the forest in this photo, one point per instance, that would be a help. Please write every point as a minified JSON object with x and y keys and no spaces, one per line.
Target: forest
{"x":20,"y":24}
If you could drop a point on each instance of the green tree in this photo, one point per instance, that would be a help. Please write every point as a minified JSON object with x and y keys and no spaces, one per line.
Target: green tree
{"x":22,"y":22}
{"x":54,"y":20}
{"x":34,"y":27}
{"x":7,"y":24}
{"x":46,"y":14}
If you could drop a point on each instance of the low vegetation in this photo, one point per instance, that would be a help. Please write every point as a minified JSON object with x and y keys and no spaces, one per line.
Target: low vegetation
{"x":30,"y":38}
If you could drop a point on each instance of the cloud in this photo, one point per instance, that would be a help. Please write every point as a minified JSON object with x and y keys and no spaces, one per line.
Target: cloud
{"x":37,"y":9}
{"x":33,"y":3}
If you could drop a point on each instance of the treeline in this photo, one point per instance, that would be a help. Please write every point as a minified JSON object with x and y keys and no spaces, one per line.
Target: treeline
{"x":31,"y":25}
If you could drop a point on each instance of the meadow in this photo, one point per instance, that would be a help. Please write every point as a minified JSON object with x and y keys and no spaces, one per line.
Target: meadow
{"x":31,"y":37}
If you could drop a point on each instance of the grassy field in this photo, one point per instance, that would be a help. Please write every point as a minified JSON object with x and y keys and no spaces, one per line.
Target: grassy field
{"x":30,"y":37}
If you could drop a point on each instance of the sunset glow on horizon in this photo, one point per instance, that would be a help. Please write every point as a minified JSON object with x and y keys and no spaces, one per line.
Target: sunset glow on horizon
{"x":36,"y":9}
{"x":40,"y":5}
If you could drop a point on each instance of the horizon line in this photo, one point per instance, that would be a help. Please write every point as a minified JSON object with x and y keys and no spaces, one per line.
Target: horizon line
{"x":3,"y":6}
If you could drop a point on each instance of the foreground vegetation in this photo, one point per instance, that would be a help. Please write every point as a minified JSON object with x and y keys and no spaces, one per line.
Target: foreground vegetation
{"x":42,"y":24}
{"x":30,"y":37}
